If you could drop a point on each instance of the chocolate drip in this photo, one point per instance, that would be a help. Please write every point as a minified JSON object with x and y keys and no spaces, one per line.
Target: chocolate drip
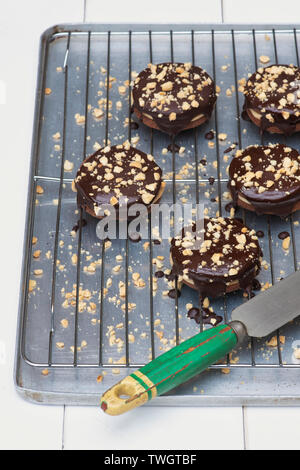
{"x":159,"y":274}
{"x":283,"y":235}
{"x":172,"y":293}
{"x":134,"y":125}
{"x":208,"y":317}
{"x":260,"y":234}
{"x":79,"y":224}
{"x":173,"y":148}
{"x":209,"y":135}
{"x":256,"y":284}
{"x":244,"y":114}
{"x":230,"y":206}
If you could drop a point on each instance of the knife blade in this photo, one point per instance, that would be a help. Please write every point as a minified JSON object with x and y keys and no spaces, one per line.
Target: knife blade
{"x":271,"y":309}
{"x":258,"y":317}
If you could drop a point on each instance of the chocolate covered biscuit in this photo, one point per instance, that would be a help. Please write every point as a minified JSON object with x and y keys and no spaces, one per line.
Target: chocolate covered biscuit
{"x":112,"y":173}
{"x":227,"y":258}
{"x":266,"y":179}
{"x":272,"y":98}
{"x":173,"y":97}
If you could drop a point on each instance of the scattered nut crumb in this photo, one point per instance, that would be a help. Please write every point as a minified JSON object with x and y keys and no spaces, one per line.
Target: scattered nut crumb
{"x":286,"y":243}
{"x":264,"y":59}
{"x":68,"y":166}
{"x":37,"y":254}
{"x":273,"y":341}
{"x":32,"y":285}
{"x":38,"y":272}
{"x":80,"y":119}
{"x":64,"y":323}
{"x":222,"y":136}
{"x":297,"y":353}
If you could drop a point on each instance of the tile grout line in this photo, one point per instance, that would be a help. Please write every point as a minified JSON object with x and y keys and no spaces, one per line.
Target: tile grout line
{"x":63,"y":429}
{"x":84,"y":10}
{"x":244,"y":427}
{"x":222,"y":10}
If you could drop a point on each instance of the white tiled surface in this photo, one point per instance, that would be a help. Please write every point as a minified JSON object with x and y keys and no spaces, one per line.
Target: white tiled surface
{"x":26,"y":426}
{"x":261,"y":11}
{"x":155,"y":428}
{"x":21,"y":425}
{"x":272,"y":428}
{"x":154,"y":11}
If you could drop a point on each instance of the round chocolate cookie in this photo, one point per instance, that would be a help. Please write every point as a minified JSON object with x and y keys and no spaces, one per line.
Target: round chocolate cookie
{"x":266,"y":179}
{"x":173,"y":97}
{"x":226,"y":256}
{"x":118,"y":172}
{"x":272,"y":98}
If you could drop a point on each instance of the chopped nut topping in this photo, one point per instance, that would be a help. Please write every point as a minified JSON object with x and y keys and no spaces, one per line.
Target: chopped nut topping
{"x":115,"y":173}
{"x":233,"y":272}
{"x":147,"y":197}
{"x":113,"y":201}
{"x":168,"y":86}
{"x":166,"y":91}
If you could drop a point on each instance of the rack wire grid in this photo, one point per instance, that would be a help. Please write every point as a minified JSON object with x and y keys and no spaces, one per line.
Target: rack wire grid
{"x":108,"y":339}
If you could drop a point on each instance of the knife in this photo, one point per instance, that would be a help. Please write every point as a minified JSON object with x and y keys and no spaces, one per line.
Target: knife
{"x":258,"y":317}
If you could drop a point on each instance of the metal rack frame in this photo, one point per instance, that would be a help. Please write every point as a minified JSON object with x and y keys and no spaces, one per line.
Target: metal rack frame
{"x":88,"y":31}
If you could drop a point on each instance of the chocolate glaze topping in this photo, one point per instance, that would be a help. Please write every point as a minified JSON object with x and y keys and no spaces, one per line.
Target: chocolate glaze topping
{"x":274,"y":93}
{"x":115,"y":172}
{"x":228,"y":255}
{"x":268,"y":177}
{"x":174,"y":94}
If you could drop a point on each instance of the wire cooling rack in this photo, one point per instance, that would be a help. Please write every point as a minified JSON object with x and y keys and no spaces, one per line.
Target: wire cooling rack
{"x":76,"y":336}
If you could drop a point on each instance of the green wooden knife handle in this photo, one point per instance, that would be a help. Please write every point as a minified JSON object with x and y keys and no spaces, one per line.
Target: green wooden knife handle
{"x":172,"y":368}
